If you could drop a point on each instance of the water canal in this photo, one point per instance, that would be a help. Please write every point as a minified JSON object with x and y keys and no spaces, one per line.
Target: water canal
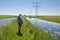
{"x":5,"y":21}
{"x":47,"y":26}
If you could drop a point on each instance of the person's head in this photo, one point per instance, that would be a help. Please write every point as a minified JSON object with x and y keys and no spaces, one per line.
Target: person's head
{"x":19,"y":14}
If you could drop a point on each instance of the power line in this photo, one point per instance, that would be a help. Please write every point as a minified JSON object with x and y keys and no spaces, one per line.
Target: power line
{"x":36,"y":7}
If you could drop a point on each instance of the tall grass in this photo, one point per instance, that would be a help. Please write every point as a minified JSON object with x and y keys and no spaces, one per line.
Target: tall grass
{"x":8,"y":32}
{"x":29,"y":32}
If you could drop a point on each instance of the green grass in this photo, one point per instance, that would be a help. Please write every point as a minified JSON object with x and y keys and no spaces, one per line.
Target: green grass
{"x":50,"y":18}
{"x":29,"y":32}
{"x":5,"y":17}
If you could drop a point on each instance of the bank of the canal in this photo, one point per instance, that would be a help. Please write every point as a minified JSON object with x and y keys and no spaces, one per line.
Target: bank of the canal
{"x":6,"y":17}
{"x":49,"y":18}
{"x":29,"y":32}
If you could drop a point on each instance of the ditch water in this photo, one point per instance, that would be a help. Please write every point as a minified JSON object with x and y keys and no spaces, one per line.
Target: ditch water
{"x":5,"y":21}
{"x":47,"y":26}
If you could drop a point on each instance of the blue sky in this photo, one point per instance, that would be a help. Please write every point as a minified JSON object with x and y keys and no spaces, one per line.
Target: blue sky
{"x":15,"y":7}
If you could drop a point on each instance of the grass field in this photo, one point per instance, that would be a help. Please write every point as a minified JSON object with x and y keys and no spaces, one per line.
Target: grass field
{"x":5,"y":17}
{"x":29,"y":32}
{"x":50,"y":18}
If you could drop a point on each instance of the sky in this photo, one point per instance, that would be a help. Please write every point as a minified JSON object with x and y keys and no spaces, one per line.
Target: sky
{"x":26,"y":7}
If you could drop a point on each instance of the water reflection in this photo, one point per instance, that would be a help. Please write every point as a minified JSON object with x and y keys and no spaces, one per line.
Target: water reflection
{"x":51,"y":27}
{"x":6,"y":21}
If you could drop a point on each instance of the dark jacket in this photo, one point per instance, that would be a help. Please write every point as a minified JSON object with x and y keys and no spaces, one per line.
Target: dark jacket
{"x":19,"y":20}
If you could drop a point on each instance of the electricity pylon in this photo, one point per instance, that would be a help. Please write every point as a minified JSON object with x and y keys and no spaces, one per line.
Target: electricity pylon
{"x":36,"y":6}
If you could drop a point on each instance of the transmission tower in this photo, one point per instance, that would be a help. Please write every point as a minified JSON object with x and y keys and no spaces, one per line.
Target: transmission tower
{"x":36,"y":5}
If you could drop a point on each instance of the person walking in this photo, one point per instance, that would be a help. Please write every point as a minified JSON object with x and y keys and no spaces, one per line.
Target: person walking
{"x":19,"y":24}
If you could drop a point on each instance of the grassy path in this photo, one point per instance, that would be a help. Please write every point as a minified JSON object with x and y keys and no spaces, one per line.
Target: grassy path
{"x":29,"y":32}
